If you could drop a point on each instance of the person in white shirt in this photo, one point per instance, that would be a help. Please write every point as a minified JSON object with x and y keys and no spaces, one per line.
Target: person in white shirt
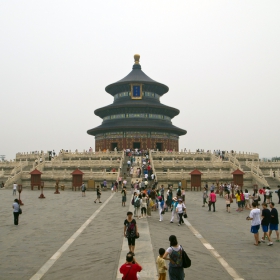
{"x":14,"y":189}
{"x":267,"y":195}
{"x":255,"y":222}
{"x":180,"y":210}
{"x":247,"y":199}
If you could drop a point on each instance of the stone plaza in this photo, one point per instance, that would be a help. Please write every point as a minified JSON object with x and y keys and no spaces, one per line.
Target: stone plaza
{"x":68,"y":236}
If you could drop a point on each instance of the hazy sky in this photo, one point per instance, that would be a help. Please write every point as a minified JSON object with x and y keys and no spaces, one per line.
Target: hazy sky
{"x":220,"y":60}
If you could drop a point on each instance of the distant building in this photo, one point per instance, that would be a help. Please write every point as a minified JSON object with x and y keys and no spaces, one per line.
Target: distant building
{"x":137,"y":119}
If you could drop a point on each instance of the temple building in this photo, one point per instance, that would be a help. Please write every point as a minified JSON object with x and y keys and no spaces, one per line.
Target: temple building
{"x":136,"y":118}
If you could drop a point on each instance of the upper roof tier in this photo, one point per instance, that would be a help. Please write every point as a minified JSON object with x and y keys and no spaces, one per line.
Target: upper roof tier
{"x":137,"y":76}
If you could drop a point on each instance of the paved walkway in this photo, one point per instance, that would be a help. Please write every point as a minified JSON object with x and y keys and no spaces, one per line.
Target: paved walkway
{"x":96,"y":250}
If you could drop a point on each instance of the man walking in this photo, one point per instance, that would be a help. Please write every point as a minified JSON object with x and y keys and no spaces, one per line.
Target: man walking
{"x":274,"y":221}
{"x":15,"y":188}
{"x":255,"y":222}
{"x":98,"y":192}
{"x":265,"y":223}
{"x":212,"y":200}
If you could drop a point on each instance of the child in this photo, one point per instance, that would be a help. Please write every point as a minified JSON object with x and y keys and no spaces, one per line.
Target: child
{"x":161,"y":265}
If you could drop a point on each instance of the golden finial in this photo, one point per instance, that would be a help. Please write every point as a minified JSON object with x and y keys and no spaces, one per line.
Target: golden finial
{"x":136,"y":58}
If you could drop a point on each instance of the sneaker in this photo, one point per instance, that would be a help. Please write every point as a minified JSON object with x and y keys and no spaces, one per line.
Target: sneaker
{"x":203,"y":205}
{"x":262,"y":240}
{"x":178,"y":225}
{"x":94,"y":201}
{"x":100,"y":202}
{"x":171,"y":222}
{"x":159,"y":220}
{"x":269,"y":243}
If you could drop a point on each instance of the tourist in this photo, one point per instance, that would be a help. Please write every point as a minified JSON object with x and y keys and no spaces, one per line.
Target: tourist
{"x":204,"y":197}
{"x":98,"y":193}
{"x":180,"y":209}
{"x":242,"y":199}
{"x":136,"y":204}
{"x":149,"y":206}
{"x":16,"y":210}
{"x":131,"y":171}
{"x":143,"y":203}
{"x":212,"y":201}
{"x":169,"y":196}
{"x":256,"y":197}
{"x":15,"y":188}
{"x":255,"y":222}
{"x":173,"y":209}
{"x":265,"y":223}
{"x":123,"y":193}
{"x":238,"y":201}
{"x":160,"y":208}
{"x":130,"y":231}
{"x":130,"y":268}
{"x":112,"y":187}
{"x":120,"y":181}
{"x":153,"y":198}
{"x":267,"y":195}
{"x":278,"y":193}
{"x":212,"y":188}
{"x":161,"y":265}
{"x":2,"y":185}
{"x":274,"y":221}
{"x":116,"y":185}
{"x":162,"y":192}
{"x":83,"y":189}
{"x":128,"y":164}
{"x":247,"y":199}
{"x":179,"y":191}
{"x":227,"y":198}
{"x":104,"y":183}
{"x":174,"y":255}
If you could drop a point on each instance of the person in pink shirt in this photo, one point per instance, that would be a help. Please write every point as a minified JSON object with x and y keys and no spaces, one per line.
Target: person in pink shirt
{"x":212,"y":200}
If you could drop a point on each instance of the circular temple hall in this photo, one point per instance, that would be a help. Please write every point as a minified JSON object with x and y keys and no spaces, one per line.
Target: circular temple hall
{"x":136,"y":119}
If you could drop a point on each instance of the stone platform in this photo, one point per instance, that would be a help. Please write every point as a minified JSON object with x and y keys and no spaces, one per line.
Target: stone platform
{"x":68,"y":236}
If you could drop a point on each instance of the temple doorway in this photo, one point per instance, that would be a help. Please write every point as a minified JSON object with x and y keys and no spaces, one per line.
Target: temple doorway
{"x":159,"y":146}
{"x":113,"y":146}
{"x":136,"y":145}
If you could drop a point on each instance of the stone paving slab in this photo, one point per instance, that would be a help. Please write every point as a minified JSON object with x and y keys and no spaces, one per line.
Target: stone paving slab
{"x":46,"y":224}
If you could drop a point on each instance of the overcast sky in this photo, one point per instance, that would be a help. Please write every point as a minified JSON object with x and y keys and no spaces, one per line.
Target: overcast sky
{"x":220,"y":60}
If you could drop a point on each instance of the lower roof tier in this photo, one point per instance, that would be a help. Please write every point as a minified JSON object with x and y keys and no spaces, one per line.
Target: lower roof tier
{"x":137,"y":124}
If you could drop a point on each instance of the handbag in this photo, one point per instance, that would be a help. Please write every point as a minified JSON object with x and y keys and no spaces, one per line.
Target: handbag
{"x":162,"y":212}
{"x":230,"y":199}
{"x":137,"y":235}
{"x":185,"y":216}
{"x":186,"y":261}
{"x":19,"y":211}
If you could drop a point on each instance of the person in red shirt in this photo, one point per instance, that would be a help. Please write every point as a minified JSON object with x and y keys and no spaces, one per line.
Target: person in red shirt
{"x":212,"y":200}
{"x":130,"y":268}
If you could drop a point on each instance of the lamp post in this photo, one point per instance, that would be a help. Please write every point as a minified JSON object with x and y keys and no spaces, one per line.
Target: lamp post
{"x":42,"y":187}
{"x":19,"y":189}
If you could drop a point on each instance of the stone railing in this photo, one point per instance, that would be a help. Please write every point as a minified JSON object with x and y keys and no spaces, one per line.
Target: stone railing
{"x":8,"y":164}
{"x":181,"y":154}
{"x":120,"y":166}
{"x":153,"y":164}
{"x":31,"y":156}
{"x":189,"y":164}
{"x":208,"y":175}
{"x":81,"y":163}
{"x":233,"y":161}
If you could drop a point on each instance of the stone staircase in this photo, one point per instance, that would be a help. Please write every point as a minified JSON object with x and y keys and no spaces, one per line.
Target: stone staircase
{"x":272,"y":182}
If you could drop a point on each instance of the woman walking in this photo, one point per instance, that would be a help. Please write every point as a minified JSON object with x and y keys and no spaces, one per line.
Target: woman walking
{"x":247,"y":199}
{"x":238,"y":201}
{"x":227,"y":198}
{"x":160,"y":208}
{"x":130,"y":231}
{"x":175,"y":270}
{"x":143,"y":203}
{"x":16,"y":208}
{"x":180,"y":209}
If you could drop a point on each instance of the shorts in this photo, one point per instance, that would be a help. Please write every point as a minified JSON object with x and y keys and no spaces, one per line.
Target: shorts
{"x":273,"y":227}
{"x":124,"y":199}
{"x":131,"y":241}
{"x":228,"y":205}
{"x":98,"y":196}
{"x":255,"y":229}
{"x":239,"y":203}
{"x":265,"y":228}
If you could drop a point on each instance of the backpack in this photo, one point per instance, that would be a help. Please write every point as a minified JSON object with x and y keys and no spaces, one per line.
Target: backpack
{"x":132,"y":201}
{"x":131,"y":229}
{"x":137,"y":203}
{"x":179,"y":193}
